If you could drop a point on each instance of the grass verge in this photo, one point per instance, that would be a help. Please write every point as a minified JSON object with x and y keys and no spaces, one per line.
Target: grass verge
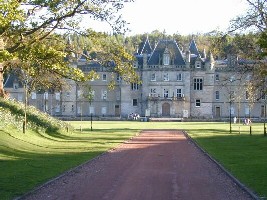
{"x":28,"y":160}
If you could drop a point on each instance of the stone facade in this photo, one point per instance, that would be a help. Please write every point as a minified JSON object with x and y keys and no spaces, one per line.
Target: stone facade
{"x":174,"y":84}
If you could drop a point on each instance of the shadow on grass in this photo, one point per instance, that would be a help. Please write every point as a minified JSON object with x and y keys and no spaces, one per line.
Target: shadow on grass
{"x":23,"y":171}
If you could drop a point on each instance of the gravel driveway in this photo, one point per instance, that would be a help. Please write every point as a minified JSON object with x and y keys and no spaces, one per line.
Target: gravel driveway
{"x":155,"y":165}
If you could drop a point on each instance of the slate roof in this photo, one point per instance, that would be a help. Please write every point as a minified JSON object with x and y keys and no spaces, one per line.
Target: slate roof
{"x":145,"y":47}
{"x":193,"y":48}
{"x":157,"y":54}
{"x":8,"y":82}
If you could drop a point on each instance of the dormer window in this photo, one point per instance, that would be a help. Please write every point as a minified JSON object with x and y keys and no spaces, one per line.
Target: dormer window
{"x":198,"y":64}
{"x":166,"y":57}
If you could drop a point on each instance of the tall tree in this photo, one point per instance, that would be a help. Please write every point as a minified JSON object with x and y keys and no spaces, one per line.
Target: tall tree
{"x":27,"y":32}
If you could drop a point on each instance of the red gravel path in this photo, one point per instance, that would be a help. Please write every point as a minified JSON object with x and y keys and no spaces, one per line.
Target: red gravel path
{"x":156,"y":165}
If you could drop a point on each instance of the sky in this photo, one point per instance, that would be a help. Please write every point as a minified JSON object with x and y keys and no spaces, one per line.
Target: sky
{"x":179,"y":16}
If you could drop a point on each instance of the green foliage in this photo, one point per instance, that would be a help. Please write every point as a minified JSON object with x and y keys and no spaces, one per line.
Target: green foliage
{"x":12,"y":114}
{"x":30,"y":46}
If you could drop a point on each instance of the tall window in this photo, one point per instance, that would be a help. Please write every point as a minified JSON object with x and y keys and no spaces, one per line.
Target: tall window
{"x":134,"y":102}
{"x":217,"y":77}
{"x":197,"y":102}
{"x":104,"y":94}
{"x":165,"y":77}
{"x":104,"y":77}
{"x":179,"y":92}
{"x":91,"y":110}
{"x":134,"y":86}
{"x":198,"y":83}
{"x":153,"y":77}
{"x":46,"y":95}
{"x":57,"y":96}
{"x":166,"y":59}
{"x":232,"y":95}
{"x":165,"y":93}
{"x":118,"y":78}
{"x":33,"y":94}
{"x":179,"y":77}
{"x":198,"y":64}
{"x":104,"y":110}
{"x":217,"y":95}
{"x":153,"y":92}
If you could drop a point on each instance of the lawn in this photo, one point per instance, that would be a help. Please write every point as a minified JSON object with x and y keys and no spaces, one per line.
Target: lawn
{"x":27,"y":161}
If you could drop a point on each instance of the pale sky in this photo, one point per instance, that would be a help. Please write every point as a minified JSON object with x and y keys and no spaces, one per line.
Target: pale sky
{"x":179,"y":16}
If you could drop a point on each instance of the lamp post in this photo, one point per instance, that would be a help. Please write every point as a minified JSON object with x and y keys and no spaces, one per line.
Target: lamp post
{"x":230,"y":114}
{"x":264,"y":127}
{"x":230,"y":102}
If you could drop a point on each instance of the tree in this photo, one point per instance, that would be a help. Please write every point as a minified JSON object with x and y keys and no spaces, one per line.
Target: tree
{"x":28,"y":30}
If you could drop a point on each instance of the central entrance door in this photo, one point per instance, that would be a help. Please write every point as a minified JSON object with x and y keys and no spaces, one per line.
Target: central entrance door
{"x":166,"y":109}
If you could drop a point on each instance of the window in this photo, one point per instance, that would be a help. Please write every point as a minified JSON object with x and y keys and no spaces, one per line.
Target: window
{"x":197,"y":103}
{"x":179,"y":77}
{"x":64,"y":108}
{"x":45,"y":107}
{"x":118,"y":96}
{"x":15,"y":85}
{"x":33,"y":94}
{"x":232,"y":95}
{"x":217,"y":77}
{"x":79,"y":110}
{"x":57,"y":109}
{"x":165,"y":93}
{"x":104,"y":94}
{"x":46,"y":95}
{"x":246,"y":110}
{"x":153,"y":90}
{"x":166,"y":59}
{"x":104,"y":110}
{"x":79,"y":93}
{"x":198,"y":84}
{"x":153,"y":77}
{"x":165,"y":77}
{"x":179,"y":92}
{"x":20,"y":97}
{"x":134,"y":86}
{"x":91,"y":110}
{"x":57,"y":96}
{"x":118,"y":78}
{"x":72,"y":108}
{"x":217,"y":95}
{"x":104,"y":77}
{"x":134,"y":102}
{"x":232,"y":110}
{"x":198,"y":64}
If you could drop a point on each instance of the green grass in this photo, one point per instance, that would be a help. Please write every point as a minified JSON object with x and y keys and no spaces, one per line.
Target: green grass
{"x":27,"y":161}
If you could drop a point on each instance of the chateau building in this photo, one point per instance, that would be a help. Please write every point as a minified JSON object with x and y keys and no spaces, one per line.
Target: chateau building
{"x":174,"y":84}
